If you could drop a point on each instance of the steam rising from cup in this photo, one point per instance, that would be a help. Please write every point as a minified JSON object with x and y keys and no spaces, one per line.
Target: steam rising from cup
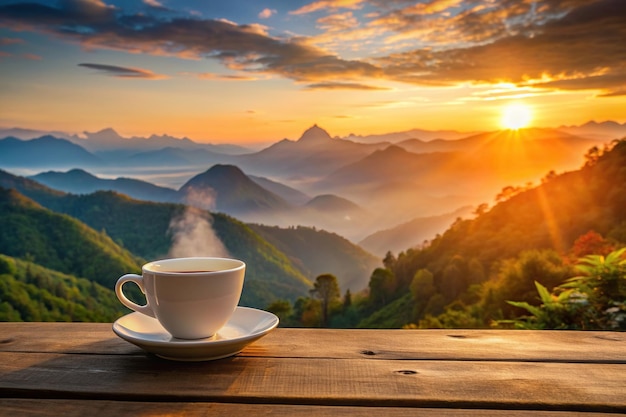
{"x":192,"y":231}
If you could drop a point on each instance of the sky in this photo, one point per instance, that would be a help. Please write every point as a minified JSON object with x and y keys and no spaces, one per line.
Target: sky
{"x":243,"y":71}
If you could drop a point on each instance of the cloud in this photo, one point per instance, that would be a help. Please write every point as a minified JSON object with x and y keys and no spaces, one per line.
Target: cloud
{"x":267,"y":13}
{"x":338,"y":22}
{"x":225,"y":77}
{"x":154,"y":3}
{"x":32,"y":57}
{"x":555,"y":44}
{"x":238,"y":47}
{"x":11,"y":41}
{"x":343,"y":86}
{"x":572,"y":43}
{"x":123,"y":72}
{"x":328,"y":4}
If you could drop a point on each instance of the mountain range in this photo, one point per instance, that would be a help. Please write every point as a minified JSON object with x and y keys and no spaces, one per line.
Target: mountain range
{"x":149,"y":230}
{"x":465,"y":277}
{"x":320,"y":204}
{"x":108,"y":138}
{"x":376,"y":182}
{"x":58,"y":251}
{"x":45,"y":151}
{"x":78,"y":181}
{"x":223,"y":188}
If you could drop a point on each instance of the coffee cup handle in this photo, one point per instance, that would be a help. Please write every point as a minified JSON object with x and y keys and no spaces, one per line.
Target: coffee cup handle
{"x":137,"y":279}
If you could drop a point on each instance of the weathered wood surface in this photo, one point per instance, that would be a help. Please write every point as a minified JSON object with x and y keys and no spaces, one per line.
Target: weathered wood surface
{"x":82,"y":408}
{"x":318,"y":372}
{"x":449,"y":344}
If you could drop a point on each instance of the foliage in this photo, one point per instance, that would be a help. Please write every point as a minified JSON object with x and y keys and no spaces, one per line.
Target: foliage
{"x":531,"y":235}
{"x":29,"y":292}
{"x":454,"y":318}
{"x":143,"y":228}
{"x":595,"y":300}
{"x":315,"y":252}
{"x":515,"y":279}
{"x":422,"y":290}
{"x":326,"y":289}
{"x":307,"y":312}
{"x":282,"y":308}
{"x":270,"y":275}
{"x":592,"y":243}
{"x":60,"y":242}
{"x":523,"y":249}
{"x":382,"y":286}
{"x":393,"y":315}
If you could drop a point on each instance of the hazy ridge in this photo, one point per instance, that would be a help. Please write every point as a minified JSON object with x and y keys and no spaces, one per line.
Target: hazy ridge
{"x":282,"y":241}
{"x":387,"y":184}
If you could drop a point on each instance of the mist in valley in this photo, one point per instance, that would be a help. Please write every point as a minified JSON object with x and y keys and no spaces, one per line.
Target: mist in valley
{"x":355,"y":187}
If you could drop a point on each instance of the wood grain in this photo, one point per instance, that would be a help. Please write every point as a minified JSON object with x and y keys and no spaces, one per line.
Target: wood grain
{"x":100,"y":408}
{"x":292,"y":371}
{"x":354,"y":382}
{"x":457,"y":345}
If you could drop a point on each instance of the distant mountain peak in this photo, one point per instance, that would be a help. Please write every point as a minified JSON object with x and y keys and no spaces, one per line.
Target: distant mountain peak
{"x":230,"y":190}
{"x":80,"y":173}
{"x":222,"y":178}
{"x":106,"y":134}
{"x":392,"y":150}
{"x":314,"y":134}
{"x":226,"y":170}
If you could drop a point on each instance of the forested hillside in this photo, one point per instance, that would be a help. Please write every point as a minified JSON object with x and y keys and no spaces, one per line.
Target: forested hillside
{"x":29,"y":292}
{"x":60,"y":242}
{"x":466,"y":276}
{"x":148,"y":231}
{"x":319,"y":252}
{"x":141,"y":228}
{"x":523,"y":255}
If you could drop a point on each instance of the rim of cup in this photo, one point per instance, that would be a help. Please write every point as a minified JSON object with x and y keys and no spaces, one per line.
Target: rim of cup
{"x":155,"y":266}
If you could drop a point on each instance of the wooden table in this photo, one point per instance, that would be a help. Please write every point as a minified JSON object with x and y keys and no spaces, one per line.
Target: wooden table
{"x":82,"y":369}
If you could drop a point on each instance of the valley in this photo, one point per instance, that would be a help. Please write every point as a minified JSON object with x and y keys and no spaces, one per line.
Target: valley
{"x":367,"y":213}
{"x":369,"y":183}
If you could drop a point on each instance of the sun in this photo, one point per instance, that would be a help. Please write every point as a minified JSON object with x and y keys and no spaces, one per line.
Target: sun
{"x":516,"y":116}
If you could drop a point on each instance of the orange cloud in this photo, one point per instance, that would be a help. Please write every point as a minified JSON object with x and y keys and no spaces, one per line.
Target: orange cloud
{"x":342,"y":86}
{"x":328,"y":4}
{"x":267,"y":13}
{"x":441,"y":42}
{"x":225,"y":77}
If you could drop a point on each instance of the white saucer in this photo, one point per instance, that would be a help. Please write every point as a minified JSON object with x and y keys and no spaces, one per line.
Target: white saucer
{"x":244,"y":327}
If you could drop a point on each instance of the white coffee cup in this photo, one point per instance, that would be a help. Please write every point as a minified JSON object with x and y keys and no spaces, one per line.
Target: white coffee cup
{"x":192,"y":298}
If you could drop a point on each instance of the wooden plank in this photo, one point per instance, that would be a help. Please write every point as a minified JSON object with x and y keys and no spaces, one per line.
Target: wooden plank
{"x":323,"y":381}
{"x":81,"y":408}
{"x":499,"y":345}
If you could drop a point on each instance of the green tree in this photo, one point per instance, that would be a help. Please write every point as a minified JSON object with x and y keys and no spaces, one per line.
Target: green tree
{"x":282,"y":308}
{"x":594,"y":300}
{"x":516,"y":281}
{"x":307,"y":312}
{"x":382,"y":286}
{"x":422,"y":289}
{"x":326,"y":289}
{"x":347,"y":299}
{"x":389,"y":261}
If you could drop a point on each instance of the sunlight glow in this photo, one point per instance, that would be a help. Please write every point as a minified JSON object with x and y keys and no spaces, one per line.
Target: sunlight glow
{"x":516,"y":116}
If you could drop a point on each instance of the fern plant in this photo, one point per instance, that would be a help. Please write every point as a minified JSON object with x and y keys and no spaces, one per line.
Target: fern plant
{"x":594,"y":300}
